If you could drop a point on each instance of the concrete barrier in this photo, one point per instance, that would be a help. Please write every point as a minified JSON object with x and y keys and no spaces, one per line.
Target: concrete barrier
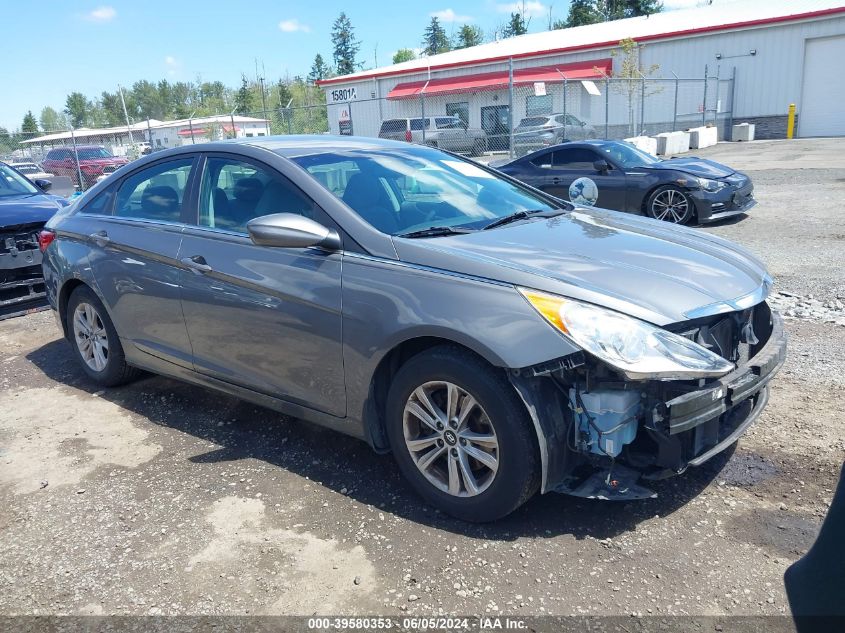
{"x":742,"y":132}
{"x":645,"y":143}
{"x":670,"y":143}
{"x":700,"y":137}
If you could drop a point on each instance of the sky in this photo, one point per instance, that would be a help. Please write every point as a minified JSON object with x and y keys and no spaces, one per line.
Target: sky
{"x":52,"y":49}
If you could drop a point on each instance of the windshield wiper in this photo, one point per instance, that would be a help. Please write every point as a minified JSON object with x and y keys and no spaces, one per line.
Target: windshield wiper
{"x":521,"y":215}
{"x":435,"y":231}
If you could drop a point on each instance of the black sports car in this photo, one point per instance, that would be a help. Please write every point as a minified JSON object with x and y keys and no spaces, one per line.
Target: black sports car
{"x":617,"y":175}
{"x":24,"y":208}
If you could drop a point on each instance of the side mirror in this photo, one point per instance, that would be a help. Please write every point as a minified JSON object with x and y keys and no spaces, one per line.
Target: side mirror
{"x":290,"y":230}
{"x":43,"y":184}
{"x":601,"y":166}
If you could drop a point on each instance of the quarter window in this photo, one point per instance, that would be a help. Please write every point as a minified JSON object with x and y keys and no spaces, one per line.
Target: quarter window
{"x":234,"y":192}
{"x":155,"y":193}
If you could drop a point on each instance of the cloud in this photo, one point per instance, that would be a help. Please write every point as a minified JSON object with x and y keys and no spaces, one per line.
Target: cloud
{"x":173,"y":65}
{"x":449,"y":15}
{"x":102,"y":14}
{"x":531,"y":9}
{"x":292,"y":26}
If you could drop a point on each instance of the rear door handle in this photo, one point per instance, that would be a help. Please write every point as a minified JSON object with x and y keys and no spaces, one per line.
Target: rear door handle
{"x":197,"y":264}
{"x":100,"y":238}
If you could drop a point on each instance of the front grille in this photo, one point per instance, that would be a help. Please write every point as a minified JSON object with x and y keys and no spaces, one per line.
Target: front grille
{"x":19,"y":238}
{"x":735,"y":336}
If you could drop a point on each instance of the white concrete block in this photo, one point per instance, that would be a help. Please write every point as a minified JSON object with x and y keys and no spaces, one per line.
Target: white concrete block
{"x":742,"y":132}
{"x":700,"y":137}
{"x":670,"y":143}
{"x":645,"y":143}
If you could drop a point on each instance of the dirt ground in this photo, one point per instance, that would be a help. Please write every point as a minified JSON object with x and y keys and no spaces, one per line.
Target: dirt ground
{"x":162,"y":498}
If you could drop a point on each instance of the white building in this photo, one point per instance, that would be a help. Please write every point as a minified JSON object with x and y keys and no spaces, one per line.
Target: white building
{"x":204,"y":129}
{"x":779,"y":51}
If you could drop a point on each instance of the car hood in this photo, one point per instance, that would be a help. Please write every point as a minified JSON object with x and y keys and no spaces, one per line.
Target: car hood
{"x":700,"y":167}
{"x":652,"y":270}
{"x":16,"y":210}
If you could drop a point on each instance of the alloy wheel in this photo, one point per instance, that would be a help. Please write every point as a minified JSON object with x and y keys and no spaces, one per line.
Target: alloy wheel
{"x":90,"y":336}
{"x":670,"y":205}
{"x":451,"y":439}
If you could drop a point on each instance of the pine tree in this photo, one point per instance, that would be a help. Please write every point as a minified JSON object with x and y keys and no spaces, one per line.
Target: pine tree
{"x":468,"y":35}
{"x":403,"y":55}
{"x":243,"y":98}
{"x":319,"y":69}
{"x":30,"y":125}
{"x":77,"y":107}
{"x":581,"y":12}
{"x":434,"y":39}
{"x":515,"y":26}
{"x":346,"y":46}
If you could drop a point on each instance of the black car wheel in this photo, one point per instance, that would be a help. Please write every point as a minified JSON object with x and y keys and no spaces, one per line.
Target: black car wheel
{"x":95,"y":340}
{"x":671,"y":204}
{"x":461,"y":435}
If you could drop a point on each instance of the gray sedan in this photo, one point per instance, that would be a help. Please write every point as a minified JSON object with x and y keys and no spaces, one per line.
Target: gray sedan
{"x":496,"y":340}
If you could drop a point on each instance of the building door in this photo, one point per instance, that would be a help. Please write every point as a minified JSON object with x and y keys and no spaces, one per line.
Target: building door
{"x":820,"y":110}
{"x":495,"y":123}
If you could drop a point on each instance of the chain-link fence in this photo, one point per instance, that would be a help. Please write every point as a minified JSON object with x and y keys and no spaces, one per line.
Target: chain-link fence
{"x":506,"y":117}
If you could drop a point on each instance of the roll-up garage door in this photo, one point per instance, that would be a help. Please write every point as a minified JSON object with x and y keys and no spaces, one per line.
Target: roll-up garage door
{"x":822,"y":108}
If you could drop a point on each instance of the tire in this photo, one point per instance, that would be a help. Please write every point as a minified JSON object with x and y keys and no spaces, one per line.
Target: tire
{"x":670,"y":204}
{"x":95,"y":341}
{"x":496,"y":428}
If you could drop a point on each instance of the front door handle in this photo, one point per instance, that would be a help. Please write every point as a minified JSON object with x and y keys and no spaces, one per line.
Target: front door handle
{"x":100,"y":238}
{"x":197,"y":264}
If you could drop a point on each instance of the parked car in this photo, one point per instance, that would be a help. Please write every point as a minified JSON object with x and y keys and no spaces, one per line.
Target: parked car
{"x":536,"y":132}
{"x":426,"y":304}
{"x":30,"y":169}
{"x":94,"y":161}
{"x":446,"y":132}
{"x":617,"y":175}
{"x":24,"y":208}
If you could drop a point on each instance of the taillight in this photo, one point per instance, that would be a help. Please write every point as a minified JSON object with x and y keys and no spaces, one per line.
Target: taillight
{"x":45,"y":238}
{"x":408,"y":136}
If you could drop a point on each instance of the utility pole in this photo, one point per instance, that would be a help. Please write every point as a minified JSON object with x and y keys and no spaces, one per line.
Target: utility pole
{"x":126,"y":115}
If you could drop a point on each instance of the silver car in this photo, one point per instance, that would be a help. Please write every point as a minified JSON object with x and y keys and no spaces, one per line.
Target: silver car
{"x":536,"y":132}
{"x":444,"y":132}
{"x":496,"y":340}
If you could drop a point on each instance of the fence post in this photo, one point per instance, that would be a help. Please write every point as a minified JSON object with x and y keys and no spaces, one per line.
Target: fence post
{"x":191,"y":128}
{"x":565,"y":91}
{"x":149,"y":135}
{"x":642,"y":106}
{"x":76,"y":160}
{"x":675,"y":112}
{"x":729,"y":133}
{"x":232,"y":119}
{"x":510,"y":106}
{"x":422,"y":116}
{"x":606,"y":107}
{"x":704,"y":102}
{"x":351,"y":120}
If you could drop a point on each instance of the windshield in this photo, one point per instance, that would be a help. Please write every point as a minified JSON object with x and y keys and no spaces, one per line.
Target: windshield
{"x":88,"y":153}
{"x":13,"y":184}
{"x":403,"y":190}
{"x":626,"y":155}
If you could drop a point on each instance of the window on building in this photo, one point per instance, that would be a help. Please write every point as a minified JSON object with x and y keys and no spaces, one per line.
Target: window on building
{"x":535,"y":105}
{"x":460,"y":109}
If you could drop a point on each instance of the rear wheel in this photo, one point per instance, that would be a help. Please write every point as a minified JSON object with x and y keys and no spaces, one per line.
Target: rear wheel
{"x":95,"y":340}
{"x":671,"y":204}
{"x":461,"y":436}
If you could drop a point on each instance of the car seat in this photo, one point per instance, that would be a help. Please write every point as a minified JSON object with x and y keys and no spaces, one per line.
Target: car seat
{"x":366,"y":195}
{"x":160,"y":203}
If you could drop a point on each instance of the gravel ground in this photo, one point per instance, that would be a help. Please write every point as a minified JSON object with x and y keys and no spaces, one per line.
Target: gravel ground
{"x":162,"y":498}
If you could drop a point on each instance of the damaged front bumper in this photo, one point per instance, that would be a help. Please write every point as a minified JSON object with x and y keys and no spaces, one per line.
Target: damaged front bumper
{"x":21,"y":279}
{"x":668,"y":427}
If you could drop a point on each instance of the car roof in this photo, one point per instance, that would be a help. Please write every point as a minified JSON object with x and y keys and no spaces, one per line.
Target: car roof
{"x":294,"y":145}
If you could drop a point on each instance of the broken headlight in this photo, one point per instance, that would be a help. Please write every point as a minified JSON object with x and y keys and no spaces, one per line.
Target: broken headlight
{"x":636,"y":348}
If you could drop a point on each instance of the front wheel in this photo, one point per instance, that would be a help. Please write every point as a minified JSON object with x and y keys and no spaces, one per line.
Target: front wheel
{"x":461,"y":435}
{"x":671,"y":204}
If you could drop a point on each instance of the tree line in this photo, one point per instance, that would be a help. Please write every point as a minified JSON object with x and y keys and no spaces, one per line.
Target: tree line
{"x":166,"y":100}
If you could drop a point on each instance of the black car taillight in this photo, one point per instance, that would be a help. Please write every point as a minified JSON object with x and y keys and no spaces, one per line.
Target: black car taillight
{"x":45,"y":238}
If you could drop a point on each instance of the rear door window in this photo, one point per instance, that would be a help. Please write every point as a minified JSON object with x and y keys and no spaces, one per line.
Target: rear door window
{"x":155,"y":193}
